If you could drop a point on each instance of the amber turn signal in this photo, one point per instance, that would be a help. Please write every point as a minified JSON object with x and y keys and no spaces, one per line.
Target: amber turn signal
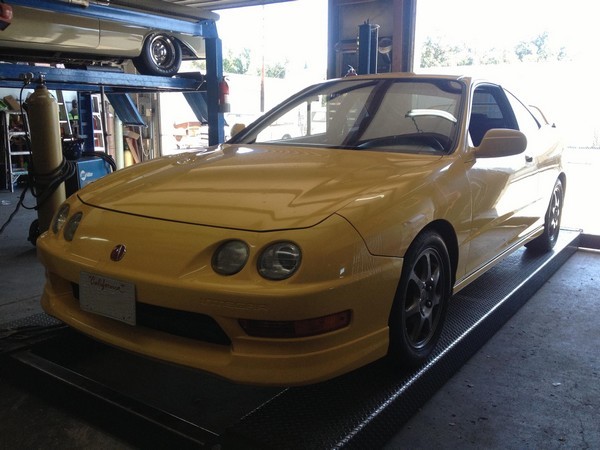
{"x":296,"y":328}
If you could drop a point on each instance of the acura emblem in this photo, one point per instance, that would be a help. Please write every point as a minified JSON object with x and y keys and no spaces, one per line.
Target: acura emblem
{"x":118,"y":252}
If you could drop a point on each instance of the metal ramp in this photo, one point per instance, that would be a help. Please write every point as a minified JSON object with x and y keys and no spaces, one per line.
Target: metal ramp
{"x":151,"y":404}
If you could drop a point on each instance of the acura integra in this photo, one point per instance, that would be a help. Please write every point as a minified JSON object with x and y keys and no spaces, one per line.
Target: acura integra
{"x":290,"y":260}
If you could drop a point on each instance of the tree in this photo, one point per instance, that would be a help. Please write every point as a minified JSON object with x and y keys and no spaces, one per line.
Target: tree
{"x":237,"y":63}
{"x":434,"y":54}
{"x":538,"y":49}
{"x":276,"y":70}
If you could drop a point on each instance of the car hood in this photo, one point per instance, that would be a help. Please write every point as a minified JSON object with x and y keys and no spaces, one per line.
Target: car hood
{"x":257,"y":188}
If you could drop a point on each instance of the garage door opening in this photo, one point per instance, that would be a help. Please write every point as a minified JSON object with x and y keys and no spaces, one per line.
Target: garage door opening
{"x":536,"y":49}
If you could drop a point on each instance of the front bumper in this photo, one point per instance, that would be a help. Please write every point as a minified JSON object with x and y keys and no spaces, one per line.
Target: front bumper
{"x":168,"y":272}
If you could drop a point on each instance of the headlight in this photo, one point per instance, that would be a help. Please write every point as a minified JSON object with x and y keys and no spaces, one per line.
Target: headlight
{"x":230,"y":257}
{"x":279,"y":261}
{"x":60,"y":218}
{"x":71,"y":226}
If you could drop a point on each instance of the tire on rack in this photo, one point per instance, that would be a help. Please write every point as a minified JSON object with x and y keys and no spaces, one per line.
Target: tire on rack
{"x":161,"y":55}
{"x":421,"y":301}
{"x":547,"y":240}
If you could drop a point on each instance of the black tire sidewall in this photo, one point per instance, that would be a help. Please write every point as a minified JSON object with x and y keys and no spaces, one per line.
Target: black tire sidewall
{"x":546,"y":241}
{"x":145,"y":62}
{"x":400,"y":349}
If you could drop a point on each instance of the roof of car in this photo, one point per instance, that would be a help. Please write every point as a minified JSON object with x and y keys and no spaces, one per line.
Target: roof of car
{"x":409,"y":75}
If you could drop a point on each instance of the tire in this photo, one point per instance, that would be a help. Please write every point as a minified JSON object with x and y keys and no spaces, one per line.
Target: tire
{"x":547,"y":240}
{"x":161,"y":55}
{"x":421,"y":301}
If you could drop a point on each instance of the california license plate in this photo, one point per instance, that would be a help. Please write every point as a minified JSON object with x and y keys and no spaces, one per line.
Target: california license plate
{"x":107,"y":296}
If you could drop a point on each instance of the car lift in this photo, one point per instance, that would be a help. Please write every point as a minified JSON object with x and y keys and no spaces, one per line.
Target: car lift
{"x":93,"y":81}
{"x":166,"y":405}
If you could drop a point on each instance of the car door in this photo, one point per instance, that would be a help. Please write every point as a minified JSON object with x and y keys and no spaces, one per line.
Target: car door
{"x":40,"y":29}
{"x":504,"y":189}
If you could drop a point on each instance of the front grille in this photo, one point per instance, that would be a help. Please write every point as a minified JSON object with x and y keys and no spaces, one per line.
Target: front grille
{"x":179,"y":323}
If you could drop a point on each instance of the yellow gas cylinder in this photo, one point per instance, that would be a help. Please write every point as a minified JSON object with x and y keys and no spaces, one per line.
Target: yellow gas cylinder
{"x":46,"y":152}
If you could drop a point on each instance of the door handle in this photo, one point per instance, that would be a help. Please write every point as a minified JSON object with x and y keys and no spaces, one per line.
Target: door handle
{"x":528,"y":158}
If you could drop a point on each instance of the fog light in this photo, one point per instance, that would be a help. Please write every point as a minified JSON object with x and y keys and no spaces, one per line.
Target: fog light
{"x":296,"y":328}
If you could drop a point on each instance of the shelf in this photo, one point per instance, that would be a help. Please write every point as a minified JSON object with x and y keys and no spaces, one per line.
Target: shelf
{"x":13,"y":145}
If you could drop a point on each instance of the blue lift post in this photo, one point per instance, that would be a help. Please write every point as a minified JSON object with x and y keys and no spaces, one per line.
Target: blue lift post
{"x":95,"y":81}
{"x":214,"y":74}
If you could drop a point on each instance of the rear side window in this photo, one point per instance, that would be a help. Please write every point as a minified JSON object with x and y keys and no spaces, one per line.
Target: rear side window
{"x":490,"y":109}
{"x":527,"y":122}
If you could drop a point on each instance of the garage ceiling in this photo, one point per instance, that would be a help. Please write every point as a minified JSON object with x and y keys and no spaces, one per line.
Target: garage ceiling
{"x":221,"y":4}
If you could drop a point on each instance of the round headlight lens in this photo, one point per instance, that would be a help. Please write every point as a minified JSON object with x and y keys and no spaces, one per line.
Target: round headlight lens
{"x":60,"y":218}
{"x":230,"y":258}
{"x":279,"y":261}
{"x":71,"y":226}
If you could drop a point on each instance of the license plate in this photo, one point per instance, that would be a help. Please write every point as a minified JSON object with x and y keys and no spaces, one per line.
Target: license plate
{"x":107,"y":296}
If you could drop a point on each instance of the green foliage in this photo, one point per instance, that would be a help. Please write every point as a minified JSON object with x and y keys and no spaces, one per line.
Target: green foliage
{"x":241,"y":62}
{"x":237,"y":63}
{"x":538,"y":49}
{"x":436,"y":53}
{"x":277,"y":70}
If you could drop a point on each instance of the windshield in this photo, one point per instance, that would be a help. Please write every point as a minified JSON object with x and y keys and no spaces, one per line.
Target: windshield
{"x":379,"y":115}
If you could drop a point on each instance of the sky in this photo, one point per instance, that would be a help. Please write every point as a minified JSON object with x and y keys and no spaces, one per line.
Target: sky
{"x":295,"y":31}
{"x":484,"y":24}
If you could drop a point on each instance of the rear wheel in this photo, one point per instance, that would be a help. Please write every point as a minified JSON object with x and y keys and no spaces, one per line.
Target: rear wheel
{"x":419,"y":309}
{"x":547,"y":240}
{"x":161,"y":55}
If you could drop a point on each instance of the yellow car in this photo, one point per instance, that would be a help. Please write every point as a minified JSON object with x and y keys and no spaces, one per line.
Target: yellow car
{"x":291,"y":261}
{"x":38,"y":33}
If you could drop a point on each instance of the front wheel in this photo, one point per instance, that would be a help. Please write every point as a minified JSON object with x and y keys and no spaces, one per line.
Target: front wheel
{"x":161,"y":55}
{"x":547,"y":240}
{"x":421,"y":301}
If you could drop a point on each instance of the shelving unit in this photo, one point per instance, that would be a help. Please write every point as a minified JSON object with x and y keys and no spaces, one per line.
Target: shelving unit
{"x":14,"y":148}
{"x":90,"y":110}
{"x":65,"y":122}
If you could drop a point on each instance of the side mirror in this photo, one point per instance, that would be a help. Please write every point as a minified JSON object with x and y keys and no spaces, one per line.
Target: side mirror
{"x":499,"y":142}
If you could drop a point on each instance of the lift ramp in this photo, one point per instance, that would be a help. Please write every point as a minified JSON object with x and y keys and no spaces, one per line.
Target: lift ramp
{"x":151,"y":404}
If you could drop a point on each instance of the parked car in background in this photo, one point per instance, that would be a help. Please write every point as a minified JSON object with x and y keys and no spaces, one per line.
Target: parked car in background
{"x":40,"y":35}
{"x":290,"y":260}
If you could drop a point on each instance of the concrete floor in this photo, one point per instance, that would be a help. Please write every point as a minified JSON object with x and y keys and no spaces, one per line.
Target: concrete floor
{"x":535,"y":384}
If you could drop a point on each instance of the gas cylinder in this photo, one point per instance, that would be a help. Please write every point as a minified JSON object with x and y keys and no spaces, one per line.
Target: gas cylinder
{"x":46,"y":152}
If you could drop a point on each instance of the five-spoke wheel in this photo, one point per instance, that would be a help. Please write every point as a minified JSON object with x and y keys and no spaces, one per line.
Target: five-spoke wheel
{"x":421,"y":300}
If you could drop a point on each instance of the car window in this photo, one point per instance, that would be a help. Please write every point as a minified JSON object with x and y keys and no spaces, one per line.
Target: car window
{"x":527,"y":122}
{"x":375,"y":115}
{"x":490,"y":109}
